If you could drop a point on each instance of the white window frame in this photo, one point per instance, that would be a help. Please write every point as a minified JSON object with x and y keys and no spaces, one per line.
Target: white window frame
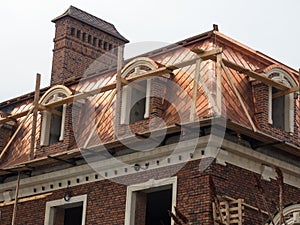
{"x":133,"y":189}
{"x":52,"y":95}
{"x":135,"y":65}
{"x":289,"y":111}
{"x":50,"y":208}
{"x":126,"y":101}
{"x":46,"y":124}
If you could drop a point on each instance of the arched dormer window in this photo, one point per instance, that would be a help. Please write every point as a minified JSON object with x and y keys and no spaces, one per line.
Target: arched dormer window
{"x":53,"y":119}
{"x":135,"y":102}
{"x":281,"y":108}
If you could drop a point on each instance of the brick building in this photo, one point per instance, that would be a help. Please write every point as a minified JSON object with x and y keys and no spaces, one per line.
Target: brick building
{"x":203,"y":131}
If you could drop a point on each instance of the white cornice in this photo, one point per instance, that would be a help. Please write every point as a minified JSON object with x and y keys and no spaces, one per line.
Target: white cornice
{"x":229,"y":153}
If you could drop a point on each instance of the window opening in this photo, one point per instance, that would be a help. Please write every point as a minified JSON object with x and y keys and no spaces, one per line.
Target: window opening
{"x":55,"y":125}
{"x":78,"y":34}
{"x":73,"y":31}
{"x":278,"y":106}
{"x":83,"y":37}
{"x":100,"y":43}
{"x":90,"y":39}
{"x":138,"y":101}
{"x":94,"y":41}
{"x":105,"y":45}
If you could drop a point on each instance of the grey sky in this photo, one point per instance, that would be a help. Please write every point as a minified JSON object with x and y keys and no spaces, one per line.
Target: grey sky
{"x":272,"y":27}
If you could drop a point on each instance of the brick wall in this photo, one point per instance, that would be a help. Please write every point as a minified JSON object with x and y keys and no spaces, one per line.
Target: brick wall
{"x":240,"y":183}
{"x":107,"y":199}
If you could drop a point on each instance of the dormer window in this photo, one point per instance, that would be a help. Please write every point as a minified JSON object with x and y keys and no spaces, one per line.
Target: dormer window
{"x":135,"y":101}
{"x":53,"y":119}
{"x":281,"y":107}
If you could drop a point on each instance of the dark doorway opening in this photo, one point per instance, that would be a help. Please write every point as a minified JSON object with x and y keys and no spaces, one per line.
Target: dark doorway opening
{"x":157,"y":207}
{"x":68,"y":214}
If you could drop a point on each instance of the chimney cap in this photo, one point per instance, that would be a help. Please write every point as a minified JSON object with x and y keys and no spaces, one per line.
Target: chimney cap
{"x":91,"y":20}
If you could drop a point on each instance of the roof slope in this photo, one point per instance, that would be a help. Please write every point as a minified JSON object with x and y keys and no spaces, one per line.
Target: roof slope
{"x":91,"y":20}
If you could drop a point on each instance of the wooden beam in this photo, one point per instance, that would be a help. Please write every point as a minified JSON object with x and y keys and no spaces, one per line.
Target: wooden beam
{"x":286,"y":92}
{"x":13,"y":117}
{"x":26,"y":199}
{"x":49,"y":109}
{"x":242,"y":69}
{"x":16,"y":132}
{"x":204,"y":55}
{"x":195,"y":90}
{"x":209,"y":54}
{"x":219,"y":84}
{"x":108,"y":87}
{"x":245,"y":204}
{"x":254,"y":75}
{"x":239,"y":97}
{"x":34,"y":115}
{"x":134,"y":85}
{"x":16,"y":200}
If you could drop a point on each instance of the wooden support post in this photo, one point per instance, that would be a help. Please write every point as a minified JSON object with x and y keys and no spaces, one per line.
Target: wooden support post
{"x":34,"y":115}
{"x":239,"y":97}
{"x":16,"y":200}
{"x":219,"y":84}
{"x":195,"y":90}
{"x":16,"y":132}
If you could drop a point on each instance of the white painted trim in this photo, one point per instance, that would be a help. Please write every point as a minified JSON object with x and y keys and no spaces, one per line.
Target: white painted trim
{"x":131,"y":197}
{"x":270,"y":101}
{"x":125,"y":104}
{"x":49,"y":213}
{"x":51,"y":96}
{"x":45,"y":130}
{"x":231,"y":153}
{"x":148,"y":95}
{"x":63,"y":120}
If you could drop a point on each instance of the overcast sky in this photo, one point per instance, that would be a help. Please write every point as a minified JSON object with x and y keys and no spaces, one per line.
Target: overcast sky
{"x":270,"y":26}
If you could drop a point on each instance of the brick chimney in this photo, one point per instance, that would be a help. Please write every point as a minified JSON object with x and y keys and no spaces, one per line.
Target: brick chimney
{"x":80,"y":38}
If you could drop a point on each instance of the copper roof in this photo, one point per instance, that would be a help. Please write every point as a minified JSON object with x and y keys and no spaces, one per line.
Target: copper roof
{"x":91,"y":20}
{"x":232,"y":51}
